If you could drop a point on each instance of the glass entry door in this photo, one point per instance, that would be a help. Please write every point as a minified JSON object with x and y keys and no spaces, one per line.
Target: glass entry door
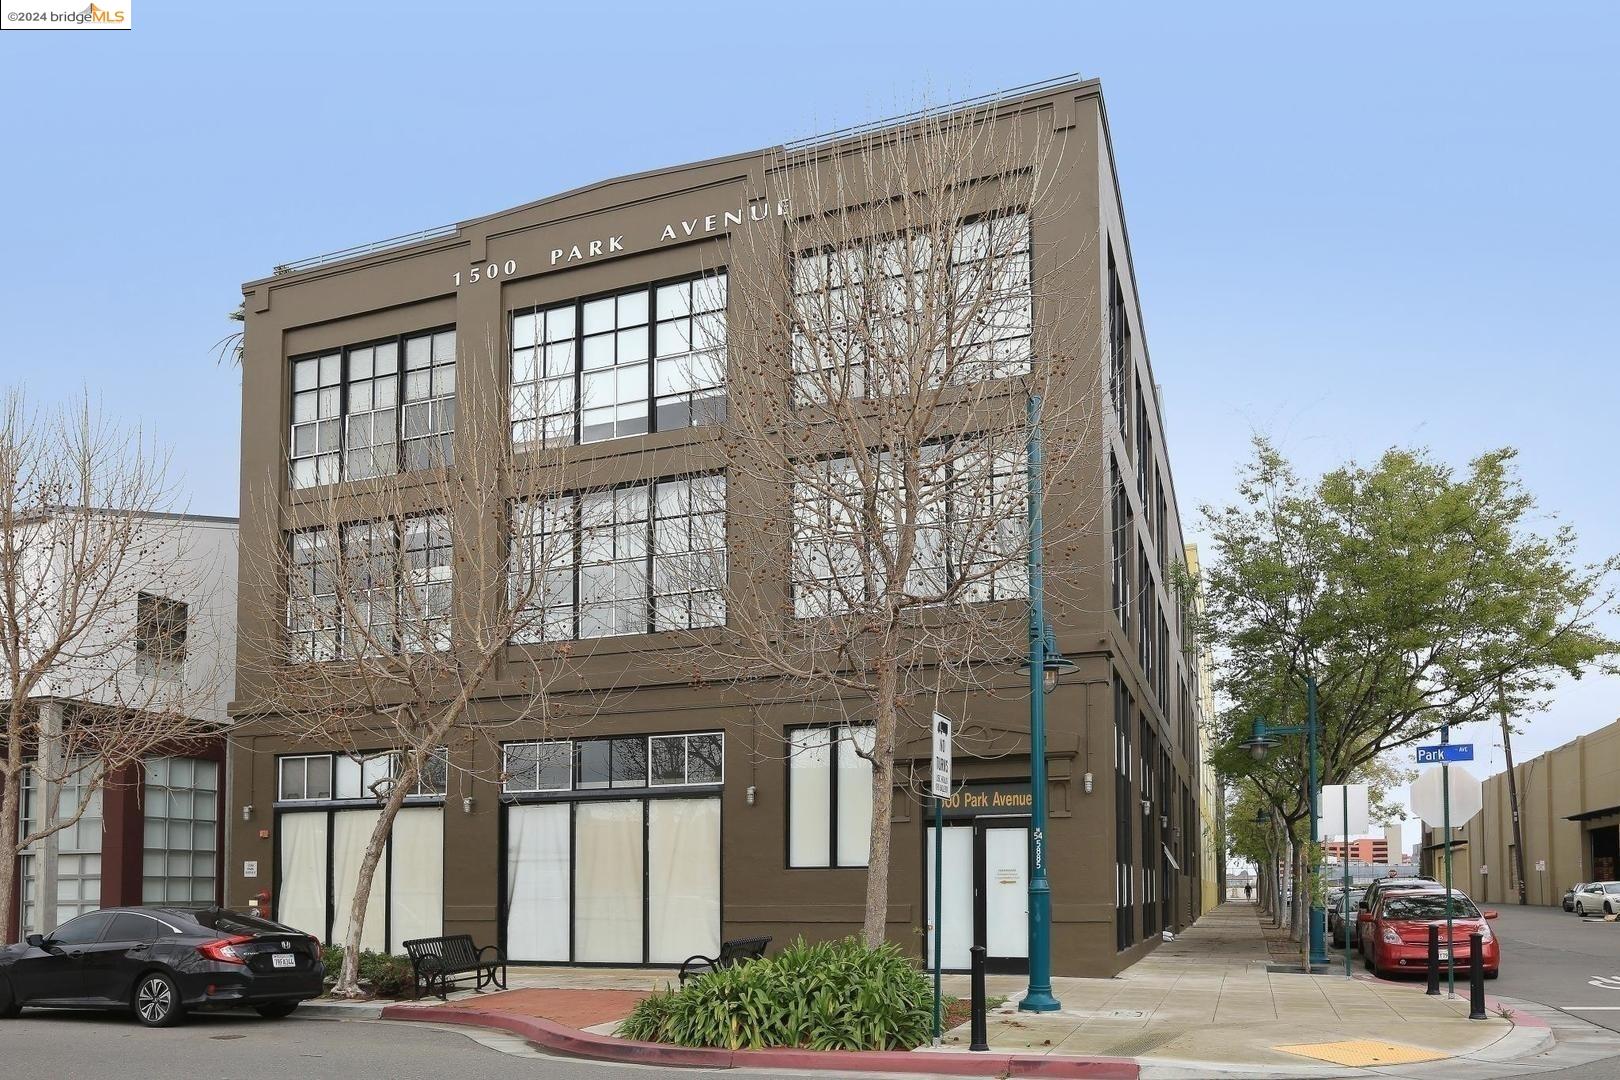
{"x":985,"y":895}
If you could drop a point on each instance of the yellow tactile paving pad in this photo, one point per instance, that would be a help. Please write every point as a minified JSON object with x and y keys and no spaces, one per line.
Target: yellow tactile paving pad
{"x":1359,"y":1052}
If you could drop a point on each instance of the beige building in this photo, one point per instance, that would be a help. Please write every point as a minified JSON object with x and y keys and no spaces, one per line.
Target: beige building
{"x":1211,"y":838}
{"x":1569,"y":806}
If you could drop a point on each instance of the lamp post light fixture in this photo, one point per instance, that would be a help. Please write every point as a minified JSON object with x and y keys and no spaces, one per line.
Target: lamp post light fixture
{"x":1258,"y":744}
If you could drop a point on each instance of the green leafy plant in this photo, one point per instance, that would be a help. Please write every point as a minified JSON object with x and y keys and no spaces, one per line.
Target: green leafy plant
{"x":833,"y":995}
{"x":386,"y":974}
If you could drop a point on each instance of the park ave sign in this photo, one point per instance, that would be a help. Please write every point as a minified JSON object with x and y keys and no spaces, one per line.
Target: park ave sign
{"x":1428,"y":802}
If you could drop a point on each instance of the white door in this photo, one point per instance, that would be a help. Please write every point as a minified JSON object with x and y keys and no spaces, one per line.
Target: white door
{"x":537,"y":901}
{"x":956,"y":910}
{"x":301,"y":886}
{"x":1006,"y":893}
{"x":683,"y":879}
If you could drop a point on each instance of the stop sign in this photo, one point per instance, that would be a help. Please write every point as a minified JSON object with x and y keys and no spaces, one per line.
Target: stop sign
{"x":1467,"y":796}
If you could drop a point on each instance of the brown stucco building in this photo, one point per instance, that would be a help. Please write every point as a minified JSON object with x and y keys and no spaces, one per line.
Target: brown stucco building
{"x":666,"y":827}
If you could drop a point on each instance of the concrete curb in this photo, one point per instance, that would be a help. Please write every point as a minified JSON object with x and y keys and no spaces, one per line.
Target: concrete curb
{"x":326,"y":1010}
{"x":563,"y":1039}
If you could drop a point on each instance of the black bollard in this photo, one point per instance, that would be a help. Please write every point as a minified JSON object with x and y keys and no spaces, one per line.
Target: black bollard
{"x":1434,"y":958}
{"x":980,"y":1037}
{"x":1476,"y":976}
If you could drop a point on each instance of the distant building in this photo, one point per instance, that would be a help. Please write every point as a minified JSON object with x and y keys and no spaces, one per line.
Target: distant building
{"x":1211,"y":806}
{"x":1367,"y":850}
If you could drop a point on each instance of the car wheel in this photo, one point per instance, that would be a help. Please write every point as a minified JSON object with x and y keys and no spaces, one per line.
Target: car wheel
{"x":8,"y":1002}
{"x":275,"y":1010}
{"x":1491,"y":973}
{"x":1580,"y":909}
{"x":157,"y":1000}
{"x":1607,"y":908}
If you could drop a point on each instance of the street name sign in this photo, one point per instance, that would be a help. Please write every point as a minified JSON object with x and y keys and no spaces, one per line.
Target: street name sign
{"x":940,"y":785}
{"x":1445,"y":752}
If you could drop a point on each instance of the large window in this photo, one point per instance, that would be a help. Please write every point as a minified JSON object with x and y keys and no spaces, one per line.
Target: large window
{"x":626,"y":761}
{"x":967,"y":527}
{"x":160,"y":628}
{"x":385,"y":589}
{"x":1119,"y":559}
{"x":1125,"y":812}
{"x":325,"y":777}
{"x":830,"y":796}
{"x":1119,"y":351}
{"x":871,"y":313}
{"x":357,"y":412}
{"x":180,"y":861}
{"x":78,"y":846}
{"x":650,"y":358}
{"x":629,"y":560}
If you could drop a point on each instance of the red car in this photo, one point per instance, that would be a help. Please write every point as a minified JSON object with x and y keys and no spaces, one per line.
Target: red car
{"x":1397,"y":932}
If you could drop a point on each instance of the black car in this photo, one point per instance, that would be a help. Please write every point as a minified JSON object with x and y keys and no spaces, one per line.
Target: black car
{"x":161,"y":963}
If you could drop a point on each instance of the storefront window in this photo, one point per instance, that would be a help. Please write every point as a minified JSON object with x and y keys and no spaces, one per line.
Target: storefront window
{"x":323,"y":777}
{"x":635,"y":761}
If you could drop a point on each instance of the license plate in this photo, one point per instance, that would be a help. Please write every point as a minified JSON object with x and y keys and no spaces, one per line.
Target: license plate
{"x":1445,"y":954}
{"x":283,"y":960}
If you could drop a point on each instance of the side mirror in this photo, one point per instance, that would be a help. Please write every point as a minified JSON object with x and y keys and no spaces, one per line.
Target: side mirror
{"x":1363,"y":906}
{"x":36,"y":940}
{"x":1365,"y":915}
{"x":1490,"y":914}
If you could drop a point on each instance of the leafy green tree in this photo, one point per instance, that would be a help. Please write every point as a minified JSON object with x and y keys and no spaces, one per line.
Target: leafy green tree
{"x":1408,"y":592}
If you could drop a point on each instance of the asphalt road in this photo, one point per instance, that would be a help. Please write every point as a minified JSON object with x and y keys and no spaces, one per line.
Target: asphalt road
{"x":1558,"y":959}
{"x":232,"y":1046}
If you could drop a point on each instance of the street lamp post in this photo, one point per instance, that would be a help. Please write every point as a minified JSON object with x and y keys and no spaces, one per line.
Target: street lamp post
{"x":1045,"y":664}
{"x":1265,"y":736}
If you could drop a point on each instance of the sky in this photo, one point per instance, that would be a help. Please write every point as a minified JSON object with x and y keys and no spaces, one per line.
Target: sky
{"x":1353,"y":226}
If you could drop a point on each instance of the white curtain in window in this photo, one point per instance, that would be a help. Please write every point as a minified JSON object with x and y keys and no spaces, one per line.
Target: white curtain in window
{"x":608,"y":882}
{"x":854,"y":795}
{"x":537,"y":902}
{"x":351,"y":830}
{"x":301,"y":896}
{"x":416,"y":886}
{"x":683,"y":879}
{"x":808,"y":783}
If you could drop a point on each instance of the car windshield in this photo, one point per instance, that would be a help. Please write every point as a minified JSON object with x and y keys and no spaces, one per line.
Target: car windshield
{"x":1428,"y":906}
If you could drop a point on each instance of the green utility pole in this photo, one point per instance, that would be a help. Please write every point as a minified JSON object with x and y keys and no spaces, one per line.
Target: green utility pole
{"x":1344,"y":900}
{"x":1038,"y":998}
{"x":1445,"y":802}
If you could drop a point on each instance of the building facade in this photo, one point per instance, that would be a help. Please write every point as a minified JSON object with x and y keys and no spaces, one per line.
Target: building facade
{"x":1569,"y":818}
{"x":1366,"y":850}
{"x":682,"y":816}
{"x":151,"y":831}
{"x":1211,"y":800}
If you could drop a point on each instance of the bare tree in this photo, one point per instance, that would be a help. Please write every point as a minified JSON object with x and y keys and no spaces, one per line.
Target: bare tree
{"x":95,"y":677}
{"x":404,"y":591}
{"x":888,"y":340}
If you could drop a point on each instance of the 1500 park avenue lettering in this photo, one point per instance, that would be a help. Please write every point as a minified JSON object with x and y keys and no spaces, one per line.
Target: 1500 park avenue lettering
{"x":613,"y":244}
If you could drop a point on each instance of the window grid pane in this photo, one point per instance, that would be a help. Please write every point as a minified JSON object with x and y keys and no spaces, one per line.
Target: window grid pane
{"x":181,"y":815}
{"x":582,"y":371}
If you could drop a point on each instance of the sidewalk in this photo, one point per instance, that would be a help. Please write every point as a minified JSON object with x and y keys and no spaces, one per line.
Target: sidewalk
{"x":1207,"y":1002}
{"x":1203,"y":1005}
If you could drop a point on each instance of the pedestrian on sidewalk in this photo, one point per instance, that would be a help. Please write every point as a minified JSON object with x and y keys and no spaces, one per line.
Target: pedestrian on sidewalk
{"x":1248,"y":891}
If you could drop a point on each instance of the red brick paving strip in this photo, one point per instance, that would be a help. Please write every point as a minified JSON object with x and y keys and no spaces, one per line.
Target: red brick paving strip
{"x":575,"y":1008}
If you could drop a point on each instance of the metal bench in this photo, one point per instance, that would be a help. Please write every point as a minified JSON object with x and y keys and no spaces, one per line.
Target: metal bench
{"x":439,"y":962}
{"x":732,"y":953}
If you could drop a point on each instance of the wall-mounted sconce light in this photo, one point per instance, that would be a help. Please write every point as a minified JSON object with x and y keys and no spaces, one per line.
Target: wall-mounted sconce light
{"x":247,"y":812}
{"x":1087,"y":782}
{"x":750,"y":794}
{"x":466,"y":804}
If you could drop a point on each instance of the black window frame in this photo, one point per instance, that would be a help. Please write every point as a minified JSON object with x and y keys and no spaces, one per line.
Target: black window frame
{"x":343,"y":353}
{"x":160,"y":627}
{"x":833,"y":741}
